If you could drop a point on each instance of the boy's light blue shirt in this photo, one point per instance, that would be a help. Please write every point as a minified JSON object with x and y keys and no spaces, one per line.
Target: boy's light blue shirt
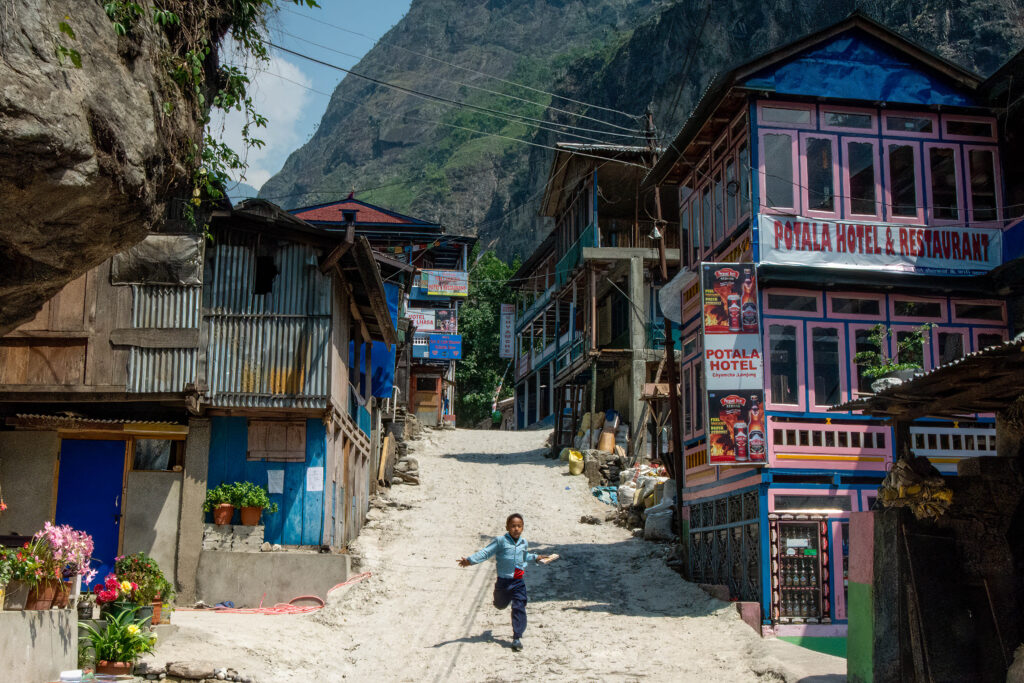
{"x":509,"y":554}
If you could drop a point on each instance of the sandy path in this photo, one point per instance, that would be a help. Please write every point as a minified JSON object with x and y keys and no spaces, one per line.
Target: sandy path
{"x":609,"y":610}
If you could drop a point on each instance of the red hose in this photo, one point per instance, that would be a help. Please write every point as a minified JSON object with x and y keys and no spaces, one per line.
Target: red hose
{"x":284,"y":607}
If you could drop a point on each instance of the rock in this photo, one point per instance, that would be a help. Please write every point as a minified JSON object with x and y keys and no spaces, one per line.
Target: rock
{"x":191,"y":670}
{"x":397,"y":480}
{"x":145,"y":668}
{"x":413,"y":428}
{"x":276,"y":547}
{"x":611,"y":515}
{"x":402,"y":466}
{"x":149,"y":677}
{"x":590,"y":519}
{"x":221,"y":676}
{"x":266,"y":547}
{"x":413,"y":463}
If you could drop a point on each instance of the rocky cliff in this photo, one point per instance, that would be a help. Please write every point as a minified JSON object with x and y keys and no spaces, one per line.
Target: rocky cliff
{"x":411,"y":155}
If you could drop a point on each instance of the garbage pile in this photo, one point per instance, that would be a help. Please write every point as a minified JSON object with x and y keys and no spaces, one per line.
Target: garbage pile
{"x":604,"y":432}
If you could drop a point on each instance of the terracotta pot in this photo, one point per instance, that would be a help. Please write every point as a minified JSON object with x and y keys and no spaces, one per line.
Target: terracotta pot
{"x":116,"y":668}
{"x":63,"y":595}
{"x":15,"y":595}
{"x":42,"y":595}
{"x":251,"y":516}
{"x":158,"y":608}
{"x":223,"y":513}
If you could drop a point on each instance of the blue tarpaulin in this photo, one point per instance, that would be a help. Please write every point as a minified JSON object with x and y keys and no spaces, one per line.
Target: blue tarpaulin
{"x":854,"y":66}
{"x":382,"y":362}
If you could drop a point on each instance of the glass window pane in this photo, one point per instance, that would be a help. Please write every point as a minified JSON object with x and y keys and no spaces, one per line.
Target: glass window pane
{"x":942,"y":162}
{"x":979,"y":311}
{"x":978,"y":129}
{"x":706,"y":217}
{"x":855,"y":306}
{"x":910,"y":348}
{"x":863,"y":343}
{"x":784,"y":115}
{"x":987,"y":340}
{"x":732,"y":192}
{"x":153,"y":454}
{"x":782,"y":344}
{"x":908,"y":124}
{"x":983,"y":184}
{"x":698,"y":413}
{"x":687,"y":414}
{"x":861,"y":160}
{"x":825,"y":348}
{"x":719,"y":208}
{"x":836,"y":119}
{"x":820,"y":190}
{"x":917,"y":309}
{"x":951,"y":347}
{"x":778,"y":169}
{"x":793,"y":302}
{"x":684,"y":226}
{"x":903,"y":180}
{"x":743,"y":155}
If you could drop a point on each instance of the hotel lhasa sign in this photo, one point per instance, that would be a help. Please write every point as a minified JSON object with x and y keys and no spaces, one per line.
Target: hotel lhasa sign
{"x":934,"y":250}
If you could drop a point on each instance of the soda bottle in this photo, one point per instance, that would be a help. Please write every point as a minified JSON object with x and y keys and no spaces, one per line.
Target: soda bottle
{"x":733,"y":308}
{"x":741,"y":439}
{"x":748,"y":306}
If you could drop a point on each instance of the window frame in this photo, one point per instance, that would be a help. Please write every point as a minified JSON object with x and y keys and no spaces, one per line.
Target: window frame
{"x":927,"y":353}
{"x":977,"y":321}
{"x":978,"y":331}
{"x":831,"y":314}
{"x":968,"y":119}
{"x":801,"y":374}
{"x":960,"y":186}
{"x":997,"y":180}
{"x":965,"y":337}
{"x":879,"y":184}
{"x":886,"y":133}
{"x":762,"y":174}
{"x":844,"y":385}
{"x":827,"y":109}
{"x":918,"y":218}
{"x":786,"y":313}
{"x":942,"y":301}
{"x":804,"y":188}
{"x":851,"y":341}
{"x":772,"y":104}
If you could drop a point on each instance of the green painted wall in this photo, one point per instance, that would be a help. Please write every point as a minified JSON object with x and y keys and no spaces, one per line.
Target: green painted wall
{"x":860,"y":636}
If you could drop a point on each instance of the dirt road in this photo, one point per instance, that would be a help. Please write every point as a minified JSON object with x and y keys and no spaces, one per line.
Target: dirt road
{"x":608,"y":610}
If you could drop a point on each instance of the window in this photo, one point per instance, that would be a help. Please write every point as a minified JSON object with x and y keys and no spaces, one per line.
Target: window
{"x":426,"y":384}
{"x":698,"y":404}
{"x":778,"y":170}
{"x":784,"y":364}
{"x":719,"y":208}
{"x":913,"y":348}
{"x":849,"y":306}
{"x":826,"y":357}
{"x":943,"y":183}
{"x":847,"y":120}
{"x":978,"y":311}
{"x":731,"y":189}
{"x":156,"y":454}
{"x":277,"y":440}
{"x":906,"y":308}
{"x":862,"y":342}
{"x":951,"y":347}
{"x":981,"y":164}
{"x":909,"y":124}
{"x":743,"y":156}
{"x":687,"y":415}
{"x":819,"y":177}
{"x":863,"y":183}
{"x":684,"y":219}
{"x":793,"y":302}
{"x":962,"y":128}
{"x":706,"y":217}
{"x":987,"y":339}
{"x":903,"y":180}
{"x":266,"y":271}
{"x":773,"y":114}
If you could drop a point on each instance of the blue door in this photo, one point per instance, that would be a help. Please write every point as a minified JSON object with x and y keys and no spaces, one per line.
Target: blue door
{"x":89,"y":488}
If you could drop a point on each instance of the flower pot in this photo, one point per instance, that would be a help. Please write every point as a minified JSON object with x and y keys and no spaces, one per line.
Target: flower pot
{"x":158,"y":608}
{"x":251,"y":516}
{"x":223,"y":513}
{"x":15,"y":595}
{"x":143,"y":614}
{"x":115,"y":668}
{"x":114,"y":609}
{"x":63,"y":595}
{"x":42,"y":595}
{"x":84,"y":610}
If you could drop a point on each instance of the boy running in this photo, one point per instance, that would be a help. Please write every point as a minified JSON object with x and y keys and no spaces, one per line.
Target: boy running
{"x":511,"y":554}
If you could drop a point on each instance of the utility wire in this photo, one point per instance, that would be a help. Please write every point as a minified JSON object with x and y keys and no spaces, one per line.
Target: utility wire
{"x":463,"y":68}
{"x":633,"y":132}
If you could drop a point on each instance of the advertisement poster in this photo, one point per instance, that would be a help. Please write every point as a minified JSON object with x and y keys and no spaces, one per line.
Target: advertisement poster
{"x":942,"y":250}
{"x":445,"y":347}
{"x":733,"y":376}
{"x":446,"y":282}
{"x":422,"y":318}
{"x":507,"y":334}
{"x":736,"y":428}
{"x":445,"y":321}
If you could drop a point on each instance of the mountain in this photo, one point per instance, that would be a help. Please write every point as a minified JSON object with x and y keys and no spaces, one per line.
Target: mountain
{"x":239,"y":191}
{"x":417,"y":156}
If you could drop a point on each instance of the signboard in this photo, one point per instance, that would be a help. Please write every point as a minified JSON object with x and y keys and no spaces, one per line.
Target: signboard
{"x":507,"y":332}
{"x":942,"y":250}
{"x":446,"y":321}
{"x":422,"y":318}
{"x":733,"y":378}
{"x":433,"y":319}
{"x":446,"y":282}
{"x":445,"y":347}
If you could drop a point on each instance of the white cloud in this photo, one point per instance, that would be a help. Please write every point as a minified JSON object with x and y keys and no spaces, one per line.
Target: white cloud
{"x":281,"y":98}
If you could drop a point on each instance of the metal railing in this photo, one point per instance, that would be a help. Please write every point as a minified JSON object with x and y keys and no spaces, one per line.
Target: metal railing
{"x":574,"y":255}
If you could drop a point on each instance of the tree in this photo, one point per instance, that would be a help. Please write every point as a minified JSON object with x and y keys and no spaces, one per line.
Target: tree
{"x":478,"y":373}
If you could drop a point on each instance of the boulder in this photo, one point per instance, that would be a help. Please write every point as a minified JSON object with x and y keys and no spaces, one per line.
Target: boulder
{"x":195,"y":671}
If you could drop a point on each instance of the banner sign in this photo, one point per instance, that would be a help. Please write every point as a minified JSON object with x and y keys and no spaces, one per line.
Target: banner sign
{"x":733,"y":377}
{"x":422,"y":318}
{"x":445,"y":347}
{"x":446,"y":282}
{"x":940,"y":250}
{"x":434,"y":319}
{"x":507,"y":335}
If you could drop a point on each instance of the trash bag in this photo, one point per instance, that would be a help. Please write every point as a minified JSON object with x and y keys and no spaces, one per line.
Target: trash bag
{"x":575,"y":463}
{"x":625,"y":494}
{"x":658,"y":526}
{"x":606,"y":494}
{"x":585,"y":422}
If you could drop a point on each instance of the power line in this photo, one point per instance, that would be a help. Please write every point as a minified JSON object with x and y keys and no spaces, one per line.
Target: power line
{"x":463,"y":68}
{"x":633,"y":132}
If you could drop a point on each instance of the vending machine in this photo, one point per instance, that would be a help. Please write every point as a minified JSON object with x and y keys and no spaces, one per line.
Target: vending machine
{"x":800,"y":569}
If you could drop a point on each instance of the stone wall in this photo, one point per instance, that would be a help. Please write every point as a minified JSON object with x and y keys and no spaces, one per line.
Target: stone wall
{"x":151,"y":510}
{"x":28,"y":462}
{"x":37,"y":645}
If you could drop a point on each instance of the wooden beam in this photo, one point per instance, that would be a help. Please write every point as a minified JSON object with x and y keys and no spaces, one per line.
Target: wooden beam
{"x":156,"y":337}
{"x":334,"y":256}
{"x":370,"y":274}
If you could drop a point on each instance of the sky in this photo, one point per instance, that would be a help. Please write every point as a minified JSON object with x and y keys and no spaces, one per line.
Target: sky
{"x":281,"y":89}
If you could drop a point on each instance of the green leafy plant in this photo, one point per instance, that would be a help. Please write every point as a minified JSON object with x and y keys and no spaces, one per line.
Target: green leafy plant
{"x":144,"y":571}
{"x":218,"y":495}
{"x":6,"y":567}
{"x":877,"y":363}
{"x":246,"y":494}
{"x":123,"y":640}
{"x":64,"y":52}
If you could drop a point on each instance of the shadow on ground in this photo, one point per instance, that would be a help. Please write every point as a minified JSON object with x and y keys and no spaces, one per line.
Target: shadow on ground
{"x":531,"y":457}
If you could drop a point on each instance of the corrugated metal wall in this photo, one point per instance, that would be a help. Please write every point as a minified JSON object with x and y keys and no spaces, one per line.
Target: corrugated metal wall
{"x":163,"y":370}
{"x":266,"y":350}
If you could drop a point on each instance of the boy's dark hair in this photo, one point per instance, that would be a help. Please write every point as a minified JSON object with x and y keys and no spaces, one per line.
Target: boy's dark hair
{"x":514,"y":515}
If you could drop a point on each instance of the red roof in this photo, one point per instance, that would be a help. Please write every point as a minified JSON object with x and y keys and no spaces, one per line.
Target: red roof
{"x":365,"y":214}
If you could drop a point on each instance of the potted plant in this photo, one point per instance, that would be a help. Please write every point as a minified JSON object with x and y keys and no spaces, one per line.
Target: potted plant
{"x":22,"y":566}
{"x":118,"y":646}
{"x":887,"y":370}
{"x":45,"y":579}
{"x":72,"y":552}
{"x":116,"y":596}
{"x":252,"y":499}
{"x":153,"y":588}
{"x":219,"y":502}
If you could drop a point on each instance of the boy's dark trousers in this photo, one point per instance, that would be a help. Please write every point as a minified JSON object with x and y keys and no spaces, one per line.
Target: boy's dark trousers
{"x":512,"y":591}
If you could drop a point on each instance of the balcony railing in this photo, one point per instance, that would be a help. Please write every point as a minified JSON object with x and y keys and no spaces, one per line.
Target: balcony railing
{"x":570,"y":353}
{"x":535,"y":308}
{"x":574,"y":255}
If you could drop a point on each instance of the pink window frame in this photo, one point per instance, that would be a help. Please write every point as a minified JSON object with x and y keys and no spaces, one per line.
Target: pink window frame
{"x":849,"y":494}
{"x":918,"y":218}
{"x":844,"y":385}
{"x":741,"y":215}
{"x":978,"y":331}
{"x":997,"y":179}
{"x":971,"y":119}
{"x":730,"y":158}
{"x":830,"y":313}
{"x":965,"y":336}
{"x":885,"y":132}
{"x":804,"y":189}
{"x":762,"y":178}
{"x":943,"y":304}
{"x":977,"y":321}
{"x":801,"y":373}
{"x":761,"y":121}
{"x":824,"y":109}
{"x":960,"y":187}
{"x":879,"y":197}
{"x":839,"y":581}
{"x":851,"y":340}
{"x":794,"y":292}
{"x":928,"y":352}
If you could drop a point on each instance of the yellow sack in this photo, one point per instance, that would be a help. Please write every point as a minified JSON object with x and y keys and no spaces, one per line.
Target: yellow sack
{"x":585,"y":422}
{"x":575,"y":462}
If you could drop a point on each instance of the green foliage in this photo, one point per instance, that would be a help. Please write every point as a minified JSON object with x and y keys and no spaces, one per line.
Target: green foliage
{"x":878,"y":363}
{"x":480,"y":369}
{"x":218,"y":495}
{"x":145,"y":572}
{"x":246,"y":494}
{"x":123,"y":640}
{"x":63,"y":51}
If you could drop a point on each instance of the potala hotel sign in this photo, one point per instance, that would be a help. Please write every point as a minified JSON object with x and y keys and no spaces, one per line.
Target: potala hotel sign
{"x":936,"y":250}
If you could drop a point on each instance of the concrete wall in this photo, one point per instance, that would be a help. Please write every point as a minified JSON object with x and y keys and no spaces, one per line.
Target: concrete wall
{"x":243,"y":578}
{"x":152,"y":506}
{"x":28,"y":462}
{"x":37,"y":645}
{"x":190,"y":522}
